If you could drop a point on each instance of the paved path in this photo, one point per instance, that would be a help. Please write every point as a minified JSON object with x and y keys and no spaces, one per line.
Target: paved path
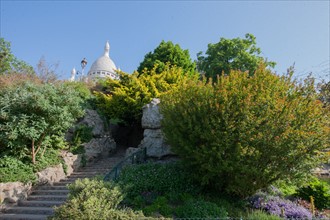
{"x":40,"y":203}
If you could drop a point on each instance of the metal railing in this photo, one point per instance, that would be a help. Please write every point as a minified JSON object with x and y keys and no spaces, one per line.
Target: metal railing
{"x":137,"y":157}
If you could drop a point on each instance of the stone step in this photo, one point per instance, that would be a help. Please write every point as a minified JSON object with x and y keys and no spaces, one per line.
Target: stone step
{"x":50,"y":192}
{"x":67,"y":181}
{"x":22,"y":217}
{"x":36,"y":203}
{"x":47,"y":197}
{"x":78,"y":177}
{"x":39,"y":205}
{"x":30,"y":210}
{"x":60,"y":184}
{"x":83,"y":174}
{"x":89,"y":170}
{"x":48,"y":187}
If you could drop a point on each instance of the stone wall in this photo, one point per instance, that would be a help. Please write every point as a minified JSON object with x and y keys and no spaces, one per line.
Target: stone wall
{"x":153,"y":139}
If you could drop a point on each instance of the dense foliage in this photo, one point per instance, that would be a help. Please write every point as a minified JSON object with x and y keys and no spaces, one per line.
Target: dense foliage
{"x":196,"y":208}
{"x":167,"y":53}
{"x":231,"y":54}
{"x":34,"y":116}
{"x":124,"y":99}
{"x":166,"y":189}
{"x":324,"y":88}
{"x":9,"y":63}
{"x":245,"y":132}
{"x":95,"y":199}
{"x":154,"y":179}
{"x":319,"y":190}
{"x":12,"y":170}
{"x":17,"y":80}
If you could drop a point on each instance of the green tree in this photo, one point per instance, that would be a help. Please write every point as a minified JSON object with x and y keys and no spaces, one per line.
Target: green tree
{"x":32,"y":116}
{"x":9,"y":63}
{"x":124,"y":99}
{"x":245,"y":132}
{"x":231,"y":54}
{"x":167,"y":52}
{"x":324,"y":90}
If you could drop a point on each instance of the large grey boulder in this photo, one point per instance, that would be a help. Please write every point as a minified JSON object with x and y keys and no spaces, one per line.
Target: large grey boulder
{"x":151,"y":117}
{"x":13,"y":191}
{"x":101,"y":144}
{"x":72,"y":161}
{"x":153,"y":138}
{"x":93,"y":119}
{"x":155,"y":143}
{"x":51,"y":175}
{"x":99,"y":147}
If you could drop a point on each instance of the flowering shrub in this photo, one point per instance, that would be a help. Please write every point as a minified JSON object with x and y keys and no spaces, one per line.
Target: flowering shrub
{"x":277,"y":206}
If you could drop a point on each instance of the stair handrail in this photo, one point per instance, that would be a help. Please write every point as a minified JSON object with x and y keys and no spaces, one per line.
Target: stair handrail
{"x":137,"y":157}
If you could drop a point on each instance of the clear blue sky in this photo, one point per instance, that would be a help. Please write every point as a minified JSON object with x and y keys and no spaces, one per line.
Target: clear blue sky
{"x":66,"y":31}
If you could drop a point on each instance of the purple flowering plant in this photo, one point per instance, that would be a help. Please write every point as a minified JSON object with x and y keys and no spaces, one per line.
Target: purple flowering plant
{"x":275,"y":205}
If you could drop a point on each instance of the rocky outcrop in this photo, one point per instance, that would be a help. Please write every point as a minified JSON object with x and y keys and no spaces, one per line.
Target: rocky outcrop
{"x":51,"y":175}
{"x":153,"y":138}
{"x":99,"y":148}
{"x":102,"y":144}
{"x":151,"y":118}
{"x":130,"y":151}
{"x":155,"y":143}
{"x":92,"y":119}
{"x":72,"y":161}
{"x":13,"y":191}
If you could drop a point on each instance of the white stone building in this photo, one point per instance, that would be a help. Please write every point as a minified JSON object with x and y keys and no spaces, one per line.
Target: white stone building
{"x":103,"y":67}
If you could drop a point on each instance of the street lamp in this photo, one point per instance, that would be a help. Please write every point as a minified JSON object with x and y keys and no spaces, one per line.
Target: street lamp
{"x":83,"y":63}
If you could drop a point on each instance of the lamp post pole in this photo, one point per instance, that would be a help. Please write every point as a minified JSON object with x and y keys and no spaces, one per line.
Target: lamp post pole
{"x":83,"y":63}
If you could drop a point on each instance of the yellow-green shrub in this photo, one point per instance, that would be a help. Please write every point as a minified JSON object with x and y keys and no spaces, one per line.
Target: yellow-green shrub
{"x":243,"y":133}
{"x":123,"y":99}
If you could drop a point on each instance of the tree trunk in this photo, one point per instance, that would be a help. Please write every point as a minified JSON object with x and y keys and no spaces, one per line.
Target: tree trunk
{"x":33,"y":153}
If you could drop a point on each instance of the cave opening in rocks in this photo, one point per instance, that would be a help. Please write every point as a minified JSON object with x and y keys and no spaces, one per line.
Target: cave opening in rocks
{"x":127,"y":136}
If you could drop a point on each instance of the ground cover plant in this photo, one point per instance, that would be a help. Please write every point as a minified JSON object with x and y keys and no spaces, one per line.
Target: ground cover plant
{"x":242,"y":133}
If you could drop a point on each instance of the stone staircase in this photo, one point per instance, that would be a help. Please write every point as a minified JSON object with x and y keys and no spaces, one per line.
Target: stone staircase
{"x":40,"y":203}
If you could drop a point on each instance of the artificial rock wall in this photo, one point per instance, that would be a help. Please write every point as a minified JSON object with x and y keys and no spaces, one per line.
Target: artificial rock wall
{"x":153,"y":138}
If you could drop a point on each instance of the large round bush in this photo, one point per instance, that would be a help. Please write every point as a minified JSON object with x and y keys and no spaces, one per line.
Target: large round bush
{"x":243,"y":132}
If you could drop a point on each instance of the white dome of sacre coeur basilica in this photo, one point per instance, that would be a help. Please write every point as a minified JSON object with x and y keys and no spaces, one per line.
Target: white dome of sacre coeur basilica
{"x":103,"y":66}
